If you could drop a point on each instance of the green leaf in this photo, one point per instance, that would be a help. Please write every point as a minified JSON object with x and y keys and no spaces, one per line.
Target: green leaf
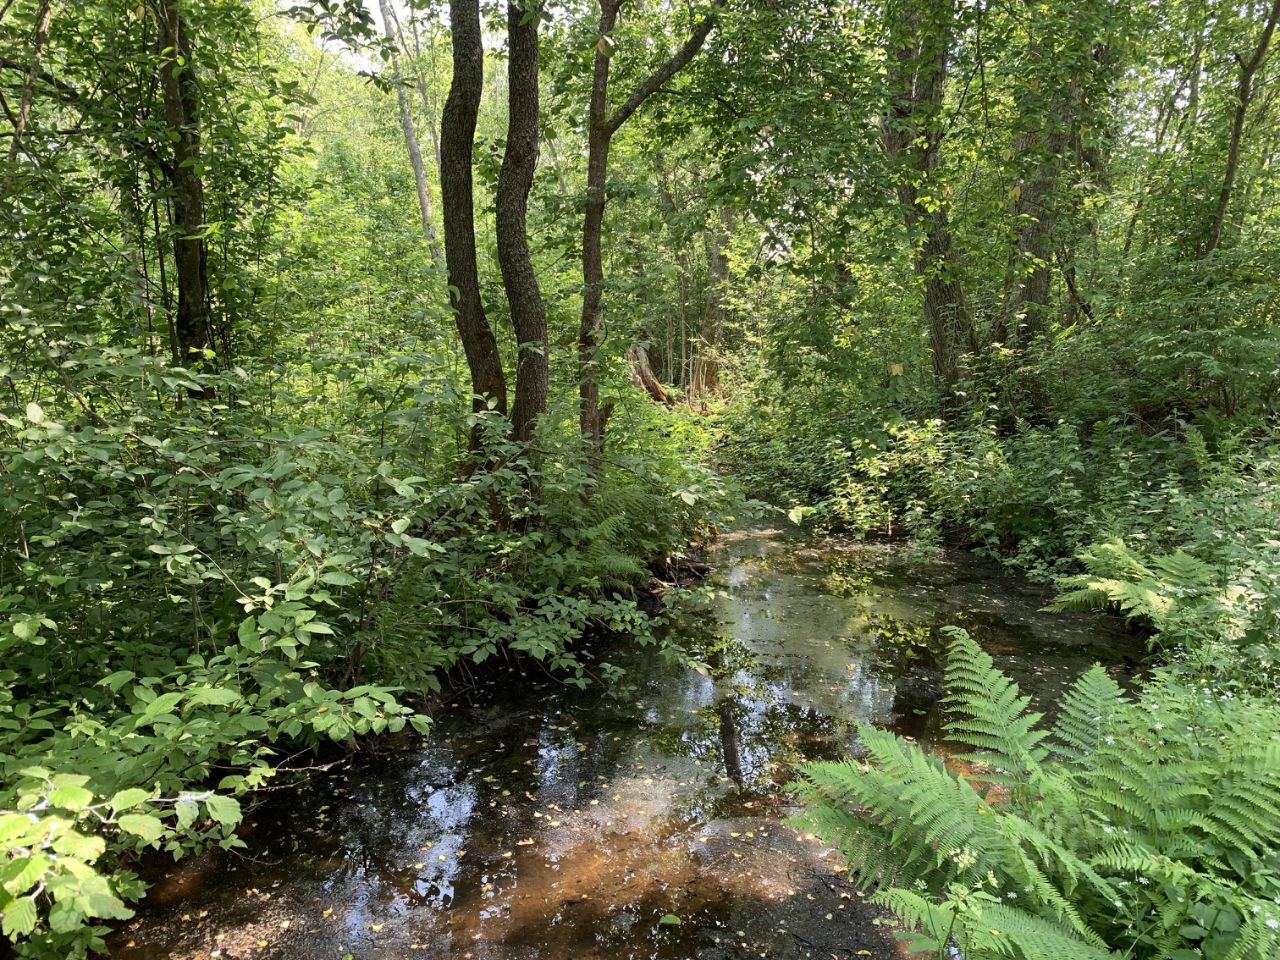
{"x":19,"y":916}
{"x":14,"y":825}
{"x":114,"y":681}
{"x":35,"y":412}
{"x":187,"y":811}
{"x":670,"y":920}
{"x":129,"y":798}
{"x":337,"y":578}
{"x":70,"y":797}
{"x":144,"y":825}
{"x":226,"y":810}
{"x":161,"y":705}
{"x":218,"y":696}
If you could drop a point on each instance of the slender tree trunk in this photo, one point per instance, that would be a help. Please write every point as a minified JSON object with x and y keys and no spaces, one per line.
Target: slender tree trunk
{"x":601,"y":126}
{"x":457,"y":133}
{"x":912,"y":138}
{"x":528,"y":314}
{"x":424,"y":90}
{"x":1244,"y":97}
{"x":705,"y":379}
{"x":1164,"y":118}
{"x":410,"y":134}
{"x":44,"y":15}
{"x":192,"y":328}
{"x":599,"y":138}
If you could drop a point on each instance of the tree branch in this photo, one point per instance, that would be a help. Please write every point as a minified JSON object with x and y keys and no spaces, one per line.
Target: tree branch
{"x":668,"y":70}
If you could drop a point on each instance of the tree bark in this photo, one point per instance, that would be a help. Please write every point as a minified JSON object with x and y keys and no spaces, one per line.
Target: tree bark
{"x":705,"y":378}
{"x":410,"y":134}
{"x":457,"y":133}
{"x":642,"y":375}
{"x":192,"y":333}
{"x":1244,"y":97}
{"x":601,"y":127}
{"x":1046,"y":111}
{"x":44,"y":15}
{"x":912,"y":138}
{"x":528,"y":314}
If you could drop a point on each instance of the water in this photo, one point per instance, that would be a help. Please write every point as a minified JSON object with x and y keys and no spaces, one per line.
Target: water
{"x":541,"y":822}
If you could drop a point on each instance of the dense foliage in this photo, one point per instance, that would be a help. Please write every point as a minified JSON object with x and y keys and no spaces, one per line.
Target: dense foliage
{"x":347,"y":350}
{"x":223,"y":557}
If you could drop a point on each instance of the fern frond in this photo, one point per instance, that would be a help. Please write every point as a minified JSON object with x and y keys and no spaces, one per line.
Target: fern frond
{"x":988,"y":713}
{"x":1087,"y":715}
{"x":1033,"y":937}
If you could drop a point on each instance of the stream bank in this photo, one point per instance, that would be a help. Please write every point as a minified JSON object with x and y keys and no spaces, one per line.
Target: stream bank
{"x":540,"y":821}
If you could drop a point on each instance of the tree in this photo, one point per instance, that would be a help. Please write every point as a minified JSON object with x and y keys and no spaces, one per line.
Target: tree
{"x":191,"y":334}
{"x":704,"y":381}
{"x":919,"y":50}
{"x":528,"y":314}
{"x":457,"y":134}
{"x":1065,"y":72}
{"x":1244,"y":99}
{"x":44,"y":16}
{"x":410,"y":134}
{"x":602,"y":125}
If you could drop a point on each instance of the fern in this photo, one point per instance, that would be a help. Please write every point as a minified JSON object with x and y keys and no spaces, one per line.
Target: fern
{"x":988,"y":713}
{"x":1086,"y":716}
{"x":1175,"y":592}
{"x":1145,"y":828}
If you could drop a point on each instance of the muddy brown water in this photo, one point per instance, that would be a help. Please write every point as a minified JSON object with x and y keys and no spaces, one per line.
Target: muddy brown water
{"x":539,"y":822}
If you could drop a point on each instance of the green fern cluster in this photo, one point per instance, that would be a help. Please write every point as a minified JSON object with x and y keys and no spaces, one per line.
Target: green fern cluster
{"x":1177,"y":593}
{"x":1145,"y":828}
{"x":624,"y":531}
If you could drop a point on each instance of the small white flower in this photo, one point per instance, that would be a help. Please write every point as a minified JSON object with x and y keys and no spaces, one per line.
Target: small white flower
{"x":1273,"y":924}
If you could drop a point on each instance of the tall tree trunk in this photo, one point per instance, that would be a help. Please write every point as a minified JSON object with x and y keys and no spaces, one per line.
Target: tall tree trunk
{"x":601,"y":126}
{"x":457,"y":133}
{"x":424,"y":89}
{"x":410,"y":134}
{"x":1026,"y":311}
{"x":1244,"y":97}
{"x":912,"y":139}
{"x":44,"y":15}
{"x":705,"y":379}
{"x":528,"y":314}
{"x":192,"y":332}
{"x":599,"y":138}
{"x":1045,"y":114}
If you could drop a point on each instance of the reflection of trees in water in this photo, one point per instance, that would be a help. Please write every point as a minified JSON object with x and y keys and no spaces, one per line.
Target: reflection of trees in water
{"x":729,"y":743}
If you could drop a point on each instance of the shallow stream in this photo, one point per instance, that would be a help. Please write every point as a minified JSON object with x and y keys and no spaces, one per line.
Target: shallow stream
{"x":539,"y":822}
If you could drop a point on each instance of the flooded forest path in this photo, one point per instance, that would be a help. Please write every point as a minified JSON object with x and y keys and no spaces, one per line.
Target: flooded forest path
{"x":540,"y":822}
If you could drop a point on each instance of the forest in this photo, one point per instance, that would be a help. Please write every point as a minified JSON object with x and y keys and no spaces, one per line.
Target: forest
{"x":372,"y":374}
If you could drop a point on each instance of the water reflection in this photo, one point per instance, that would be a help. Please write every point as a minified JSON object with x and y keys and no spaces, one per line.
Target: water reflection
{"x":544,"y":822}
